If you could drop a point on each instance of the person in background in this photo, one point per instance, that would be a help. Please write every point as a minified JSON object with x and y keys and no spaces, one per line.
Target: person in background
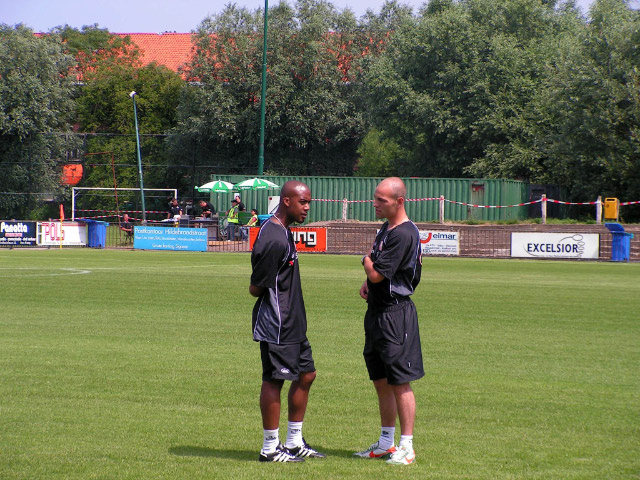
{"x":174,"y":208}
{"x":232,"y":219}
{"x":392,"y":351}
{"x":207,"y":210}
{"x":241,"y":207}
{"x":280,"y":325}
{"x":126,"y":225}
{"x":253,"y":221}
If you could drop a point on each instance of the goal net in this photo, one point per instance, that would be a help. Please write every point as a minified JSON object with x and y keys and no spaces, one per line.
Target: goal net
{"x":110,"y":204}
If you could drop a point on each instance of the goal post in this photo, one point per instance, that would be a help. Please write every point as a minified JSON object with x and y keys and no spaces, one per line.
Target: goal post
{"x":105,"y":191}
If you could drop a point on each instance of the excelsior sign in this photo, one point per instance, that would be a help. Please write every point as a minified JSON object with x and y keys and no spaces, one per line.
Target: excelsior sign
{"x":555,"y":245}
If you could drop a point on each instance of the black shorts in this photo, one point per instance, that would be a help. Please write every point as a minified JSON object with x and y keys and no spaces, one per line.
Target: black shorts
{"x":392,"y":347}
{"x":285,"y":362}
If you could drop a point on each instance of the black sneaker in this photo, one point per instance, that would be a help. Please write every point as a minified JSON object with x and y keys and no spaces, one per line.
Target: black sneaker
{"x":305,"y":451}
{"x":281,"y":454}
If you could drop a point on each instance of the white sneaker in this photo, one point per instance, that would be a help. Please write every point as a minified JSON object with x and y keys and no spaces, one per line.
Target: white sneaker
{"x":402,"y":456}
{"x":375,"y":452}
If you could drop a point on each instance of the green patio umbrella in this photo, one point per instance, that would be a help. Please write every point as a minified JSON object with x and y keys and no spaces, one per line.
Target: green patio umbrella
{"x":255,"y":184}
{"x":219,"y":186}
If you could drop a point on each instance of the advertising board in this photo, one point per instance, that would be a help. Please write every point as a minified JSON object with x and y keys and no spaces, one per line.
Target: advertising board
{"x":170,"y":238}
{"x":555,"y":245}
{"x":67,"y":233}
{"x":439,"y":243}
{"x":17,"y":234}
{"x":307,"y":239}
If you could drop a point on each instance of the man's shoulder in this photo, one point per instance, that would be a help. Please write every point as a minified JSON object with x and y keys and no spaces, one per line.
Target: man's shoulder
{"x":272,"y":232}
{"x":406,"y":232}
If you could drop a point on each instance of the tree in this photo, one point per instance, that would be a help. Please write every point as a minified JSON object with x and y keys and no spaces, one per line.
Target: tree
{"x":454,"y":82}
{"x":94,"y":48}
{"x":581,"y":128}
{"x":105,"y":115}
{"x":378,"y":156}
{"x":36,"y":104}
{"x":314,"y":118}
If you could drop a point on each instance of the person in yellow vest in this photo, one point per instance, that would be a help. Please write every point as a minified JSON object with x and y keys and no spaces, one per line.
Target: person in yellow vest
{"x":232,"y":219}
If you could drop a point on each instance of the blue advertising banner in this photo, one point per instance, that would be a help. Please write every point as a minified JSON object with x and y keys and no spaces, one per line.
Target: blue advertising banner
{"x":18,"y":233}
{"x":170,"y":238}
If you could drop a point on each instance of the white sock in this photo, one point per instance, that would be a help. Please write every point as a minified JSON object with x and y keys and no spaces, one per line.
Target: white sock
{"x":386,"y":437}
{"x":294,"y":435}
{"x":270,"y":441}
{"x":406,"y":441}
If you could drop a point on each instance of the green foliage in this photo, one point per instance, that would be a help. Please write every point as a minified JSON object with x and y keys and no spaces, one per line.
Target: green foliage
{"x":105,"y":106}
{"x":377,"y":156}
{"x":35,"y":102}
{"x":95,"y":49}
{"x":454,"y":81}
{"x":314,"y":108}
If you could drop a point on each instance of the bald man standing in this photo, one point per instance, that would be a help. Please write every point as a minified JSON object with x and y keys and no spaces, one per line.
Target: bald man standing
{"x":280,"y":325}
{"x":392,"y":350}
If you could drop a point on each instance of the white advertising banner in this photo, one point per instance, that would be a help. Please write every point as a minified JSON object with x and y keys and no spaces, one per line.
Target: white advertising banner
{"x":71,"y":233}
{"x":555,"y":245}
{"x":439,"y":243}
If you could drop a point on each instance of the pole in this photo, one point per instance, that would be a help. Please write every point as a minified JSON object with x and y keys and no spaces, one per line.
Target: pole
{"x":61,"y":222}
{"x":599,"y":210}
{"x":543,"y":207}
{"x":135,"y":117}
{"x":263,"y":96}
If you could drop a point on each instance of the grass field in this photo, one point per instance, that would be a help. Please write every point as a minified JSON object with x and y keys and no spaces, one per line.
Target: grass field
{"x":140,"y":365}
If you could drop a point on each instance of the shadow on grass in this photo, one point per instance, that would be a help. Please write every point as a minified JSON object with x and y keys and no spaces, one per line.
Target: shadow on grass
{"x":241,"y":455}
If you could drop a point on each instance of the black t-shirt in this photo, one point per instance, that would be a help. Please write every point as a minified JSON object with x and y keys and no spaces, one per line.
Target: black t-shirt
{"x":174,"y":210}
{"x":397,"y":256}
{"x":279,"y":315}
{"x":207,"y":207}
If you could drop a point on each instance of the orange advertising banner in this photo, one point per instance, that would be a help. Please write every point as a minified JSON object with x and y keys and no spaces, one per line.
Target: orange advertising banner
{"x":308,"y":239}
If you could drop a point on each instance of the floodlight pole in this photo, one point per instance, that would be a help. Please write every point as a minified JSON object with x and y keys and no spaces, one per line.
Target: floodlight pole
{"x":263,"y":96}
{"x":135,"y":117}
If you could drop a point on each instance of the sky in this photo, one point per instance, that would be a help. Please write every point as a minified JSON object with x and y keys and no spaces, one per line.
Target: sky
{"x":148,"y":16}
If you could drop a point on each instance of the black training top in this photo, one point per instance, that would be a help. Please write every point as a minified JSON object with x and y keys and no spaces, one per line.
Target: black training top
{"x":278,"y":315}
{"x":397,"y":256}
{"x":209,"y":208}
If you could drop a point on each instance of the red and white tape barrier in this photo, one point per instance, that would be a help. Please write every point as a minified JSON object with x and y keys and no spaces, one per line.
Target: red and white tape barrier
{"x":493,"y":206}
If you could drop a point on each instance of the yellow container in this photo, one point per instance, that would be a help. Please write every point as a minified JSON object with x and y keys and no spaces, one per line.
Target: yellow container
{"x":611,"y":208}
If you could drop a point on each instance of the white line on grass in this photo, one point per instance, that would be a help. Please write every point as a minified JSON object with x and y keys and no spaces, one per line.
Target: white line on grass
{"x":38,"y":272}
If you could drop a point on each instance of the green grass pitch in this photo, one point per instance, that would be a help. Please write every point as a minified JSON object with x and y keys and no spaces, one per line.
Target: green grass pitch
{"x":140,"y":365}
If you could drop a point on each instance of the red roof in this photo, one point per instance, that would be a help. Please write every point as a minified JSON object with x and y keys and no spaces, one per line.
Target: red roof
{"x":173,"y":50}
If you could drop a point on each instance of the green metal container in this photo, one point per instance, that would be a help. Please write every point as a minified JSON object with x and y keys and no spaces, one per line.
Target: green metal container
{"x":328,"y":193}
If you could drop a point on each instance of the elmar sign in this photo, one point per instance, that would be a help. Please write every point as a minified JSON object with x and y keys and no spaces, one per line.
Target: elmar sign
{"x":555,"y":245}
{"x":433,"y":242}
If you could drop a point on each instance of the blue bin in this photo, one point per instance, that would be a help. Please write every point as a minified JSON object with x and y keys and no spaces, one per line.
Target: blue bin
{"x":96,"y":233}
{"x":620,"y":242}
